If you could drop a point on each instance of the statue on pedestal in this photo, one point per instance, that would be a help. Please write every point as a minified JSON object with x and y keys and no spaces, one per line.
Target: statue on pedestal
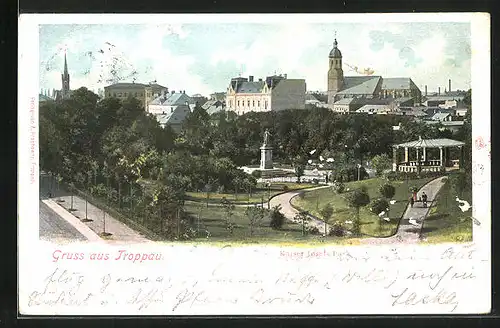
{"x":266,"y":155}
{"x":266,"y":137}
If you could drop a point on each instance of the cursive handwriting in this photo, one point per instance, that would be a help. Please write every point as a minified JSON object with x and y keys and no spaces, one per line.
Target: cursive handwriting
{"x":295,"y":278}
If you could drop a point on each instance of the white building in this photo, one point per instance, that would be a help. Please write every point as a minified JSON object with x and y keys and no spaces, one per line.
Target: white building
{"x":275,"y":93}
{"x":169,"y":101}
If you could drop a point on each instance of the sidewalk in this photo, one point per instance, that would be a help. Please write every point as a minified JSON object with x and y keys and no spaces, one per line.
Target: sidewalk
{"x":290,"y":212}
{"x":101,"y":222}
{"x":408,"y":233}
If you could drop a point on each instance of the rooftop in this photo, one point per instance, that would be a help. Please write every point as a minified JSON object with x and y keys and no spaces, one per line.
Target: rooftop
{"x":395,"y":83}
{"x":126,"y":85}
{"x":362,"y":85}
{"x":431,"y":143}
{"x":440,"y":116}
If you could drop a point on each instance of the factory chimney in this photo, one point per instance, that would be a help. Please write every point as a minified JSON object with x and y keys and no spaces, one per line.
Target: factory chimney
{"x":439,"y":91}
{"x":426,"y":90}
{"x":449,"y":85}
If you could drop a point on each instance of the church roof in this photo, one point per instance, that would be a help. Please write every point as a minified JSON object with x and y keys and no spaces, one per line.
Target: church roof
{"x":360,"y":85}
{"x":396,"y":83}
{"x":431,"y":143}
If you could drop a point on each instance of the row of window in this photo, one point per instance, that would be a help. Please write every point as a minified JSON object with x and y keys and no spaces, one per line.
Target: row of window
{"x":248,"y":103}
{"x":126,"y":94}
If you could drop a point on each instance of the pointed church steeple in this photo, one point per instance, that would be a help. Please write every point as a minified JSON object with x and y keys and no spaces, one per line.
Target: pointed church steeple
{"x":65,"y":65}
{"x":65,"y":79}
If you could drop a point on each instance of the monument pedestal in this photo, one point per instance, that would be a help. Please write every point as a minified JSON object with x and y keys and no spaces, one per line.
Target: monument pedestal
{"x":266,"y":157}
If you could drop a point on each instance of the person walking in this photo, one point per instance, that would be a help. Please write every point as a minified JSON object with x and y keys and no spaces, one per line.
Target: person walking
{"x":412,"y":201}
{"x":424,"y":199}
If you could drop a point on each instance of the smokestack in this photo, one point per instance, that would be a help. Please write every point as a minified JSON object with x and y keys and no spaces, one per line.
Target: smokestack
{"x":449,"y":85}
{"x":439,"y":91}
{"x":250,"y":78}
{"x":426,"y":90}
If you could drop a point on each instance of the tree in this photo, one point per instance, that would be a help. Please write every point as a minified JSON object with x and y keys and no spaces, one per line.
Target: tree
{"x":357,"y":199}
{"x":228,"y":211}
{"x":458,"y":183}
{"x":387,"y":190}
{"x":303,"y":218}
{"x":299,"y":171}
{"x":326,"y":214}
{"x":381,"y":163}
{"x":277,"y":218}
{"x":379,"y":205}
{"x":255,"y":215}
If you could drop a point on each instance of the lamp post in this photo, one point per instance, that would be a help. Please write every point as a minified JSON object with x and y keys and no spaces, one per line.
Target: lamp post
{"x":268,"y":185}
{"x":359,"y":172}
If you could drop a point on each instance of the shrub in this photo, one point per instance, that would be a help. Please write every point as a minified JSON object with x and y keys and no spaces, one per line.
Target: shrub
{"x":220,"y":189}
{"x":277,"y":218}
{"x":100,"y":190}
{"x":313,"y":230}
{"x":257,"y":174}
{"x":285,"y":188}
{"x":315,"y":181}
{"x":338,"y":187}
{"x":337,"y":230}
{"x":350,"y":173}
{"x":392,"y":176}
{"x":387,"y":190}
{"x":379,"y":205}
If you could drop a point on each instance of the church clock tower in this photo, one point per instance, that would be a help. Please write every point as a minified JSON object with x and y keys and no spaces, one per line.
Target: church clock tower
{"x":335,"y":73}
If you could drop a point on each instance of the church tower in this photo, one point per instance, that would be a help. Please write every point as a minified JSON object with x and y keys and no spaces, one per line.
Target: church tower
{"x":335,"y":73}
{"x":65,"y":79}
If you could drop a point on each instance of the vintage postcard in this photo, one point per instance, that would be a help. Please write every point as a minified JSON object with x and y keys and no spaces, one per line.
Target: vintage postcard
{"x":254,"y":164}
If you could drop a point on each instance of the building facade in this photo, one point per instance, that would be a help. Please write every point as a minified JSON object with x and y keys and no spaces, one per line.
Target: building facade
{"x":145,"y":93}
{"x":272,"y":94}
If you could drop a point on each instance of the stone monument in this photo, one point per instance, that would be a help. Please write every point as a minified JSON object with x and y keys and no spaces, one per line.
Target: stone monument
{"x":266,"y":153}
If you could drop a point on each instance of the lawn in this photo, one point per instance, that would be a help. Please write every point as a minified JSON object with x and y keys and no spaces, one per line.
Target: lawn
{"x":211,"y":219}
{"x":261,"y":193}
{"x":371,"y":225}
{"x":446,"y":221}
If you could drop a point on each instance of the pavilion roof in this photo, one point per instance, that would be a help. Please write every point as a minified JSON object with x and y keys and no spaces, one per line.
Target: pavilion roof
{"x":431,"y":143}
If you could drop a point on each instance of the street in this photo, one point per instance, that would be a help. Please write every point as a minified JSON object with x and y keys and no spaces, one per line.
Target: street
{"x":52,"y":226}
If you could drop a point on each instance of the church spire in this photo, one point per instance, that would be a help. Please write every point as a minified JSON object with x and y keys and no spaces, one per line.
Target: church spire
{"x":65,"y":79}
{"x":65,"y":64}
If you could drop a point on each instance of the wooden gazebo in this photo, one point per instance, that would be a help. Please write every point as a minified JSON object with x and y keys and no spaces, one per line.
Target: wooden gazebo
{"x":422,"y":158}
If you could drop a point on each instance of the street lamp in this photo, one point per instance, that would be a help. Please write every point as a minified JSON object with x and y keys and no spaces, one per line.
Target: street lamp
{"x":359,"y":172}
{"x":268,"y":185}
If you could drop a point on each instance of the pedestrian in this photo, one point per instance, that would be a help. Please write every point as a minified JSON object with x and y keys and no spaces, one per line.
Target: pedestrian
{"x":412,"y":201}
{"x":424,"y":199}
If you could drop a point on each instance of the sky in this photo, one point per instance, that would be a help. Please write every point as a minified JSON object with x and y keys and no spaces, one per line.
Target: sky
{"x":202,"y":58}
